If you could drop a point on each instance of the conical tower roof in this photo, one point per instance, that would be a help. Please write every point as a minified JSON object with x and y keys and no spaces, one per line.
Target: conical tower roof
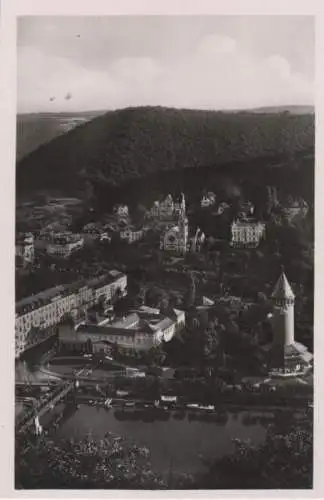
{"x":282,"y":290}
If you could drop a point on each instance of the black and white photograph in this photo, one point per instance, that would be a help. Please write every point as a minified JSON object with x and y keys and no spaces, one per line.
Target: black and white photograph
{"x":164,"y":252}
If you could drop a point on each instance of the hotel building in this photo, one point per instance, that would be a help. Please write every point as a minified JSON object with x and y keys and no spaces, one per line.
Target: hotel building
{"x":46,"y":309}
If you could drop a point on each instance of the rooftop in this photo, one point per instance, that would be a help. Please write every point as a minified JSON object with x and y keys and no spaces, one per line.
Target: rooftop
{"x":282,"y":289}
{"x":105,"y":330}
{"x":126,"y":322}
{"x":45,"y":296}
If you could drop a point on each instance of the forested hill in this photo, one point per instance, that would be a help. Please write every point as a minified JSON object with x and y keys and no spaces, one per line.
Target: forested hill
{"x":135,"y":142}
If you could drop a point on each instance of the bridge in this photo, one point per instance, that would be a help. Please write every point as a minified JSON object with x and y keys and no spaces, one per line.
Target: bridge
{"x":54,"y":397}
{"x":59,"y":392}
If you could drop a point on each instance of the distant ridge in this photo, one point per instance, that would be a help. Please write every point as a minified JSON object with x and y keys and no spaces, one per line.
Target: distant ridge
{"x":293,"y":109}
{"x":136,"y":142}
{"x":35,"y":129}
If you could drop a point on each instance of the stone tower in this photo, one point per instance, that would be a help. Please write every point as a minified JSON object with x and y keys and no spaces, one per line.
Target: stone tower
{"x":286,"y":357}
{"x":283,"y":317}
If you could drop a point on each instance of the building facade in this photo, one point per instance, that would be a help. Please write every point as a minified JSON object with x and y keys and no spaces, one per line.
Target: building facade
{"x":121,"y":210}
{"x":166,"y":210}
{"x":130,"y":234}
{"x":247,"y":233}
{"x":64,"y":245}
{"x":175,"y":237}
{"x":141,"y":330}
{"x":46,"y":309}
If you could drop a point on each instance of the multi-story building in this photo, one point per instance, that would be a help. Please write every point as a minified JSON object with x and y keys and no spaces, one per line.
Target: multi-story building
{"x":141,"y":330}
{"x":121,"y":210}
{"x":25,"y":247}
{"x":167,"y":210}
{"x":64,"y":244}
{"x":130,"y":234}
{"x":46,"y":309}
{"x":247,"y":233}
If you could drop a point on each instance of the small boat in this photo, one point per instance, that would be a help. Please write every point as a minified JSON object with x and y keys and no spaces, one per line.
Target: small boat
{"x":192,"y":406}
{"x":207,"y":407}
{"x":129,"y":404}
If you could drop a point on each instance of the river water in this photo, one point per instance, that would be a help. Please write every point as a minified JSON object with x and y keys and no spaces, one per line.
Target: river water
{"x":176,"y":442}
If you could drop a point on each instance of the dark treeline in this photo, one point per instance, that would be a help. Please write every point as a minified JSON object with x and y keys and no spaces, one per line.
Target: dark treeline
{"x":137,"y":142}
{"x":293,"y":176}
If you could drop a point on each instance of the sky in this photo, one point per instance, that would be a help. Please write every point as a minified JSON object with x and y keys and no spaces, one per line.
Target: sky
{"x":203,"y":62}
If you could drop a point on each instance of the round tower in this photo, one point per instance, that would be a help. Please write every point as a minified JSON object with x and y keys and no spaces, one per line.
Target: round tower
{"x":283,"y":317}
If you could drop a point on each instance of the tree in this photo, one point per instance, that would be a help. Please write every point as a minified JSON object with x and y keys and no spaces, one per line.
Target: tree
{"x":190,"y":297}
{"x":284,"y":461}
{"x":111,"y":463}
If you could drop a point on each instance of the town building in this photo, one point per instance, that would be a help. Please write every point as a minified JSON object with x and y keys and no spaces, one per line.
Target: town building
{"x":25,"y":247}
{"x":63,"y":245}
{"x":130,"y":234}
{"x":163,"y":210}
{"x":167,"y":210}
{"x":141,"y":330}
{"x":121,"y":210}
{"x":175,"y":237}
{"x":285,"y":356}
{"x":46,"y":309}
{"x":247,"y":232}
{"x":208,"y":200}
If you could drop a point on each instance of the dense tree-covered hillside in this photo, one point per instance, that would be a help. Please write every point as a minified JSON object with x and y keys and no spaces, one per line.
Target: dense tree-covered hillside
{"x":135,"y":142}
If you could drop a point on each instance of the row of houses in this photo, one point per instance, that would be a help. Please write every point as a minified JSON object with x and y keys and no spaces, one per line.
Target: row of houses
{"x":46,"y":309}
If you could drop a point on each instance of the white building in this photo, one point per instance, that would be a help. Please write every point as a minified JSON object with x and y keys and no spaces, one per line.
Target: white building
{"x":141,"y":330}
{"x":166,"y":210}
{"x":46,"y":309}
{"x":64,"y":245}
{"x":130,"y":234}
{"x":247,"y":233}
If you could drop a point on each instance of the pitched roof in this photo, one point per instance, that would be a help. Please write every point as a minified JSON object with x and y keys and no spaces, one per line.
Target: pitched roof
{"x":282,"y":289}
{"x":105,"y":330}
{"x":126,"y":322}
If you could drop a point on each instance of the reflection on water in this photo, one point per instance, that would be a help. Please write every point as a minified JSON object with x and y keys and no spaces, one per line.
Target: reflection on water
{"x":177,"y":437}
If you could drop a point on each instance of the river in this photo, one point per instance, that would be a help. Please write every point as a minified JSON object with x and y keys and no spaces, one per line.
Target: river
{"x":173,"y":441}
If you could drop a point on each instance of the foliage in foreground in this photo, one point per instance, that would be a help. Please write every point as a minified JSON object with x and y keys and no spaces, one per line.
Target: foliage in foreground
{"x":284,"y":461}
